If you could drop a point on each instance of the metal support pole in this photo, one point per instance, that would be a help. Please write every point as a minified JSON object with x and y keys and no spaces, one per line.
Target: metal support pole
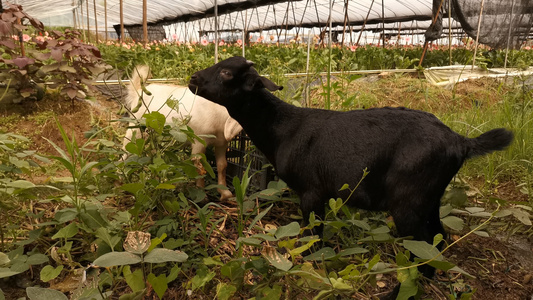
{"x":216,"y":32}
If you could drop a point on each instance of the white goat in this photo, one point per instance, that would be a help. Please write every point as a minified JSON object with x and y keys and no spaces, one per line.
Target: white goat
{"x":204,"y":117}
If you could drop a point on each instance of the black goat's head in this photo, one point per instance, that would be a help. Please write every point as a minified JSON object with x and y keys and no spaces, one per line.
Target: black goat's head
{"x":228,"y":80}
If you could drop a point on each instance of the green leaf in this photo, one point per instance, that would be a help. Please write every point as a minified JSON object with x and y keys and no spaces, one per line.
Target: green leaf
{"x":132,"y":187}
{"x":165,"y":186}
{"x":37,"y":259}
{"x":103,"y":234}
{"x":66,"y":232}
{"x":156,"y":242}
{"x":259,"y":216}
{"x":351,"y":251}
{"x":48,"y":272}
{"x":202,"y":277}
{"x":408,"y":288}
{"x":133,"y":147}
{"x":4,"y":259}
{"x":322,"y":254}
{"x":225,"y":291}
{"x":422,"y":249}
{"x":7,"y":272}
{"x":134,"y":279}
{"x":361,"y":224}
{"x":521,"y":216}
{"x":276,"y":259}
{"x":37,"y":293}
{"x":93,"y":218}
{"x":441,"y":265}
{"x":132,"y":296}
{"x":453,"y":222}
{"x":112,"y":259}
{"x":64,"y":159}
{"x":178,"y":135}
{"x":212,"y":261}
{"x":339,"y":284}
{"x":161,"y":255}
{"x":88,"y":167}
{"x":159,"y":284}
{"x":291,"y":229}
{"x":174,"y":272}
{"x":344,"y":187}
{"x":268,"y":293}
{"x":21,"y":184}
{"x":482,"y":233}
{"x":233,"y":270}
{"x":156,"y":121}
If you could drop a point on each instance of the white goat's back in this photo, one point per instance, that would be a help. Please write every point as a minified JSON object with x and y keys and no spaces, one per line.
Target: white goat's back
{"x":205,"y":117}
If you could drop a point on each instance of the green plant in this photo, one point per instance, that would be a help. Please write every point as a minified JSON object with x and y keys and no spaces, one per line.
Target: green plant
{"x":59,"y":58}
{"x":78,"y":164}
{"x":139,"y":249}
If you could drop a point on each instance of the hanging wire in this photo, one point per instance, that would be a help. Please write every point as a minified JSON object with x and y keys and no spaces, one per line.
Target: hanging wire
{"x":509,"y":36}
{"x":477,"y":34}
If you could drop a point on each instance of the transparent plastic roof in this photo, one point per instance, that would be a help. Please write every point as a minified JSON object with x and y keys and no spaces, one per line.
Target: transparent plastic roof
{"x":234,"y":14}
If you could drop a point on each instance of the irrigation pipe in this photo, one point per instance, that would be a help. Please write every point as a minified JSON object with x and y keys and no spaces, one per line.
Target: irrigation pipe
{"x":288,"y":75}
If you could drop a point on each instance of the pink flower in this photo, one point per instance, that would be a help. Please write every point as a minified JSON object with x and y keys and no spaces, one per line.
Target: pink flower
{"x":527,"y":48}
{"x":26,"y":37}
{"x":174,"y":36}
{"x":221,"y":43}
{"x":40,"y":38}
{"x":239,"y":42}
{"x":204,"y":42}
{"x":353,"y":48}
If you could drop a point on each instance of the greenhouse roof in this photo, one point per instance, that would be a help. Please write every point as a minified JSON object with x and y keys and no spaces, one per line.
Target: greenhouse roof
{"x":235,"y":14}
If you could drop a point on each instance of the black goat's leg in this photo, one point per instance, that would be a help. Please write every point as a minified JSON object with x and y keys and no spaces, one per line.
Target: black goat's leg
{"x":311,"y":202}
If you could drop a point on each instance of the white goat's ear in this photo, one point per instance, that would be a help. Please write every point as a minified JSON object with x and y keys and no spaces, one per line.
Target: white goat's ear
{"x":231,"y":128}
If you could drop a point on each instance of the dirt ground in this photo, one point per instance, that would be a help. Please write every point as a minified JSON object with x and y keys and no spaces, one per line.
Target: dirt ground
{"x":502,"y":265}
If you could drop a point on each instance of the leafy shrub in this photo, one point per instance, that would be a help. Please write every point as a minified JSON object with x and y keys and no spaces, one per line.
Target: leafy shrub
{"x":57,"y":57}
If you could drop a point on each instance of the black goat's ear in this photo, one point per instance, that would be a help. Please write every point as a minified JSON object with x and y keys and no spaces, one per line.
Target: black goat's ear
{"x":255,"y":82}
{"x":266,"y":83}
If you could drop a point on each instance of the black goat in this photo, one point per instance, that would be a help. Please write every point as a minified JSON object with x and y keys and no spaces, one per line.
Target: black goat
{"x":411,"y":156}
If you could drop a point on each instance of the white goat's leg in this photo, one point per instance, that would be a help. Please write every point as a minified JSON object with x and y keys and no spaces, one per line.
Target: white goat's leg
{"x":195,"y":149}
{"x":222,"y":164}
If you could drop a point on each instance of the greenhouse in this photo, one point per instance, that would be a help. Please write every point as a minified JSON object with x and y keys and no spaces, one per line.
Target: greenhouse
{"x":266,"y":149}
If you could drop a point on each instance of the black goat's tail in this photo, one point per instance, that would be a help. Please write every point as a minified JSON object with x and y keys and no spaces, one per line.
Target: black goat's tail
{"x":490,"y":141}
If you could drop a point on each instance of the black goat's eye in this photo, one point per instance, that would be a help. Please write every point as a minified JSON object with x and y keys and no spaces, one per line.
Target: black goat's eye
{"x":226,"y":75}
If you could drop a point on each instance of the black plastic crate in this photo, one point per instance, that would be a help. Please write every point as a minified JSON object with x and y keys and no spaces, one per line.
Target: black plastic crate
{"x":242,"y":153}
